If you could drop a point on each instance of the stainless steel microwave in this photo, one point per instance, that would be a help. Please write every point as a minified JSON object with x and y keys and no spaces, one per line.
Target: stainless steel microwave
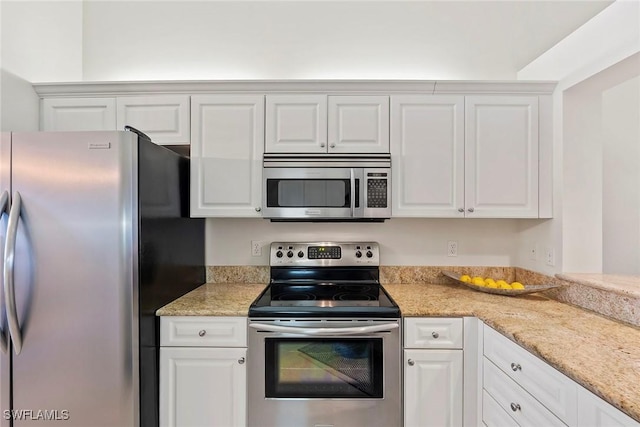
{"x":349,"y":187}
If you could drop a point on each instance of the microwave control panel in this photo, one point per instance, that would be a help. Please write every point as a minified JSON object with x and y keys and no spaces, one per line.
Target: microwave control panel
{"x":377,"y":190}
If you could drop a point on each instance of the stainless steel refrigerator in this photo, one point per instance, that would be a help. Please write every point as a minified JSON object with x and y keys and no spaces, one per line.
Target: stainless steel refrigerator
{"x":96,"y":236}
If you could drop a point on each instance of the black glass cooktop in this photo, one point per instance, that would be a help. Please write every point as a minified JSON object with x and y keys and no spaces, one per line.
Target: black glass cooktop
{"x":324,"y":299}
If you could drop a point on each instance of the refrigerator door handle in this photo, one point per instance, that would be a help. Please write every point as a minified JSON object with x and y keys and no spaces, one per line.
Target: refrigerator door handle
{"x":9,"y":262}
{"x":4,"y":336}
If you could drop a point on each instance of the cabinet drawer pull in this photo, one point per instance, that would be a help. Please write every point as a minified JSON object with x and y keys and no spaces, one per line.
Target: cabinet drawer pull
{"x":515,"y":407}
{"x":241,"y":360}
{"x":202,"y":332}
{"x":411,"y":362}
{"x":470,"y":209}
{"x":435,"y":335}
{"x":516,"y":367}
{"x":460,"y":209}
{"x":258,"y":209}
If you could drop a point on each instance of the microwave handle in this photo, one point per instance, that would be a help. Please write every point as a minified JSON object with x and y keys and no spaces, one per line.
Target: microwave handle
{"x":353,"y":191}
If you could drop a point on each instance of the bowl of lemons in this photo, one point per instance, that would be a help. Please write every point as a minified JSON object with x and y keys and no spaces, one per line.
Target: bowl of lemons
{"x":500,"y":287}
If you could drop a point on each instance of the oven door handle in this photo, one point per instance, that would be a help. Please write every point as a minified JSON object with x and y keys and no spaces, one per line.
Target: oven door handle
{"x":324,"y":331}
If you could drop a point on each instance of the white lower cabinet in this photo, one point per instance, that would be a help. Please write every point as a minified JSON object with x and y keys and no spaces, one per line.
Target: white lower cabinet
{"x":433,"y":372}
{"x":520,"y":389}
{"x":203,"y":376}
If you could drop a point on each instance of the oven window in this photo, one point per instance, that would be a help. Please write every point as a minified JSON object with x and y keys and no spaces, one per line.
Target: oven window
{"x":323,"y":368}
{"x":310,"y":193}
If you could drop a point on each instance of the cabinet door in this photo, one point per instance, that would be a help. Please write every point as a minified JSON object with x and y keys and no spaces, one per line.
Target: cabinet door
{"x":202,"y":387}
{"x":595,"y":412}
{"x":296,"y":124}
{"x":78,"y":114}
{"x":358,"y":124}
{"x":226,"y":155}
{"x":501,"y":156}
{"x":165,"y":118}
{"x":427,"y":152}
{"x":433,"y":388}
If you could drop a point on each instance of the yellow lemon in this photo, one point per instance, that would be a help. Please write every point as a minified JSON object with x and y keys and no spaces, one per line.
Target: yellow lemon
{"x":492,"y":285}
{"x":489,"y":279}
{"x":465,"y":278}
{"x":502,"y":283}
{"x":478,"y":281}
{"x":477,"y":278}
{"x":517,"y":285}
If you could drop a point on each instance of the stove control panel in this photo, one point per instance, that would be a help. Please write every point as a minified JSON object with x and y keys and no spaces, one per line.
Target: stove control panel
{"x":329,"y":254}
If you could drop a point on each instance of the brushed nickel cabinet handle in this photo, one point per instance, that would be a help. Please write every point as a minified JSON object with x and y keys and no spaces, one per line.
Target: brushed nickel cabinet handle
{"x":515,"y":407}
{"x":435,"y":335}
{"x":202,"y":333}
{"x":516,"y":367}
{"x":410,"y":362}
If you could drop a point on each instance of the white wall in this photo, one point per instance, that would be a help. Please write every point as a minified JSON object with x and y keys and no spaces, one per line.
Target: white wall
{"x":621,"y":178}
{"x":19,"y":104}
{"x":404,"y":241}
{"x":41,"y":41}
{"x":149,"y":40}
{"x":601,"y":193}
{"x":607,"y":44}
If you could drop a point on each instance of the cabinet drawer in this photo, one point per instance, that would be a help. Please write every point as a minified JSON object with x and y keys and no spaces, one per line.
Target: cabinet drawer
{"x":492,"y":413}
{"x":433,"y":332}
{"x":552,"y":388}
{"x":522,"y":407}
{"x":203,"y":331}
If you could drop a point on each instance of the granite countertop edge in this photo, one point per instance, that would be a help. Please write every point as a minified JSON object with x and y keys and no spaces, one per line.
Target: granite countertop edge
{"x":558,"y":333}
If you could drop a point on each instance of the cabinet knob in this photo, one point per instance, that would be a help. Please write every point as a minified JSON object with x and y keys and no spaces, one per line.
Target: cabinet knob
{"x":332,"y":146}
{"x":516,"y":367}
{"x":322,"y":144}
{"x":202,"y":333}
{"x":470,"y":209}
{"x":515,"y":407}
{"x":241,"y":360}
{"x":411,"y":362}
{"x":258,"y":209}
{"x":435,"y":335}
{"x":460,"y":209}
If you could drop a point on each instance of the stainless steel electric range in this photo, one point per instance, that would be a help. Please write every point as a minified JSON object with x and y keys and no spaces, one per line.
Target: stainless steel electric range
{"x":324,"y":340}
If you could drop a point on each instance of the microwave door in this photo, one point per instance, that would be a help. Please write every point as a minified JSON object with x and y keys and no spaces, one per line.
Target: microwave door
{"x":307,"y":193}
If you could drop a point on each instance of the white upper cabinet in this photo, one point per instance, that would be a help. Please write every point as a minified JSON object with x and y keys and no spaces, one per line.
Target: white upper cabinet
{"x":358,"y":124}
{"x":227,"y":144}
{"x":427,"y":154}
{"x":501,"y":156}
{"x":327,"y":124}
{"x":473,"y":157}
{"x":78,"y":114}
{"x":296,"y":124}
{"x":164,"y":118}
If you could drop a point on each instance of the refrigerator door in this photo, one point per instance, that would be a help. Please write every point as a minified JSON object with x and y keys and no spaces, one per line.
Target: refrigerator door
{"x":5,"y":354}
{"x":75,"y":279}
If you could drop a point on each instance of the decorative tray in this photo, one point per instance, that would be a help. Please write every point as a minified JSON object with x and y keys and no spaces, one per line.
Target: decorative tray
{"x":528,"y":289}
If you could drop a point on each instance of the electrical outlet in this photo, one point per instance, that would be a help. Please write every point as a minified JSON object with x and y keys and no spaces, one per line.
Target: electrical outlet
{"x":256,"y":248}
{"x":533,"y":252}
{"x":549,"y":257}
{"x":452,"y":248}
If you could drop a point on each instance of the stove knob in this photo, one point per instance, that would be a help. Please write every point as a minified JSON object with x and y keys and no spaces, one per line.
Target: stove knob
{"x":279,"y":254}
{"x":369,"y":254}
{"x":290,"y":254}
{"x":300,"y":254}
{"x":358,"y":254}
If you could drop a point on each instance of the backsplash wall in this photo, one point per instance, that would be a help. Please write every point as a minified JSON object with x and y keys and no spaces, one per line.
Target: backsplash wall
{"x":403,"y":241}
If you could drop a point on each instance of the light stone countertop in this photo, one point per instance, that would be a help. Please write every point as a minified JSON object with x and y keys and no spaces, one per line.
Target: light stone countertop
{"x":601,"y":354}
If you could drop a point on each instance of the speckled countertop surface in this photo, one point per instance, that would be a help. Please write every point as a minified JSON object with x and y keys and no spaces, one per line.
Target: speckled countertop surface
{"x":601,"y":354}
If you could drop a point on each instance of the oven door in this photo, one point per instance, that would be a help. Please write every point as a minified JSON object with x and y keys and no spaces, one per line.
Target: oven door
{"x":312,"y":193}
{"x":312,"y":372}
